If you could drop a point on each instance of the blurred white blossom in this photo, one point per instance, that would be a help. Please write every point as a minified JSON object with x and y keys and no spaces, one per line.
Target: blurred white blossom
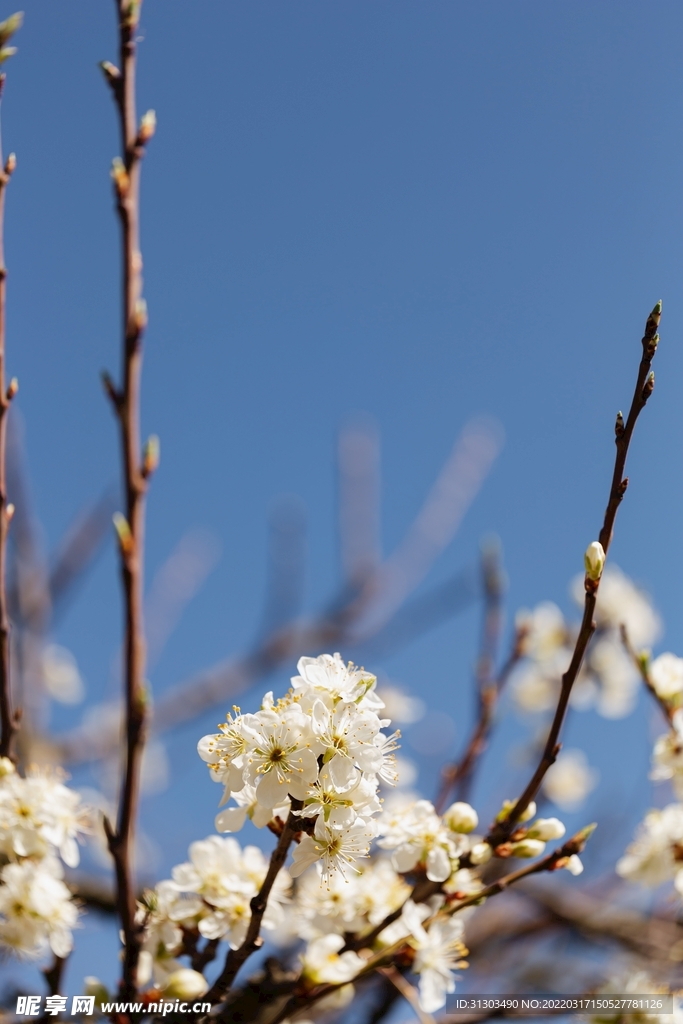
{"x":569,"y":781}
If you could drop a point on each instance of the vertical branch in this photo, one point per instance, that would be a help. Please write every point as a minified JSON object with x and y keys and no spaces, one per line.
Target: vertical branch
{"x":136,"y":470}
{"x":9,"y":722}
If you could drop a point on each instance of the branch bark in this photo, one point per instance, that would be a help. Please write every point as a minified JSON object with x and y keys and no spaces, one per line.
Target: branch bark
{"x":126,"y":403}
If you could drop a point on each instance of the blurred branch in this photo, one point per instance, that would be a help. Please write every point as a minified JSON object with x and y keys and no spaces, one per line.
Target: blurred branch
{"x":623,"y":433}
{"x":488,"y":687}
{"x":76,"y":552}
{"x":174,"y":585}
{"x":436,"y":523}
{"x":9,"y":721}
{"x":286,"y":564}
{"x":359,"y":501}
{"x":641,"y":663}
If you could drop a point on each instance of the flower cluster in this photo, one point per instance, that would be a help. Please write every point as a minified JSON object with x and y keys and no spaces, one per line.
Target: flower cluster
{"x":322,"y":746}
{"x":608,"y":680}
{"x":41,"y":821}
{"x":313,"y":762}
{"x":209,"y":895}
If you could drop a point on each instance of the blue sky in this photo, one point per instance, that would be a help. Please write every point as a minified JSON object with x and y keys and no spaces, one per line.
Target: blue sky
{"x":423,"y":212}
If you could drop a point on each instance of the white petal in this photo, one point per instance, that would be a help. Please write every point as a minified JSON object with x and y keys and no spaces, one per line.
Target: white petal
{"x":231,"y":819}
{"x":305,"y":854}
{"x":438,"y":865}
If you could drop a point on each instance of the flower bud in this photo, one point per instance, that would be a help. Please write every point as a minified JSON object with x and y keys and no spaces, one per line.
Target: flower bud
{"x":185,"y":984}
{"x":546,"y":829}
{"x":110,"y":71}
{"x":527,"y":848}
{"x":148,"y":124}
{"x":10,"y":26}
{"x":481,"y":853}
{"x":460,"y":817}
{"x":6,"y":767}
{"x":6,"y":52}
{"x":594,"y":560}
{"x":619,"y":425}
{"x":11,"y":164}
{"x":12,"y":388}
{"x":9,"y":512}
{"x":124,"y":533}
{"x":120,"y":175}
{"x":150,"y":456}
{"x":574,"y":865}
{"x":504,"y":812}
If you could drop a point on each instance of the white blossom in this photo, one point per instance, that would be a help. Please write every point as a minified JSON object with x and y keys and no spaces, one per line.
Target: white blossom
{"x":323,"y":962}
{"x":569,"y":781}
{"x":438,"y":952}
{"x":621,"y":601}
{"x":36,"y":909}
{"x":336,"y":849}
{"x":38,"y":813}
{"x":666,"y":675}
{"x":417,"y":835}
{"x":667,"y":756}
{"x":656,"y":854}
{"x":226,"y":878}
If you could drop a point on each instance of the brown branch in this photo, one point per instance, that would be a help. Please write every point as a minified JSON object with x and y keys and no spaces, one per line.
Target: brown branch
{"x":643,"y":389}
{"x":126,"y":177}
{"x":53,"y":975}
{"x":252,"y":940}
{"x":9,"y":722}
{"x":641,"y":664}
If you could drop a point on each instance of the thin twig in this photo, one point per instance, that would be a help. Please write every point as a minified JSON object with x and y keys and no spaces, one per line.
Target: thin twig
{"x":126,"y":403}
{"x":641,"y":664}
{"x":623,"y":432}
{"x":252,"y":940}
{"x":9,"y":722}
